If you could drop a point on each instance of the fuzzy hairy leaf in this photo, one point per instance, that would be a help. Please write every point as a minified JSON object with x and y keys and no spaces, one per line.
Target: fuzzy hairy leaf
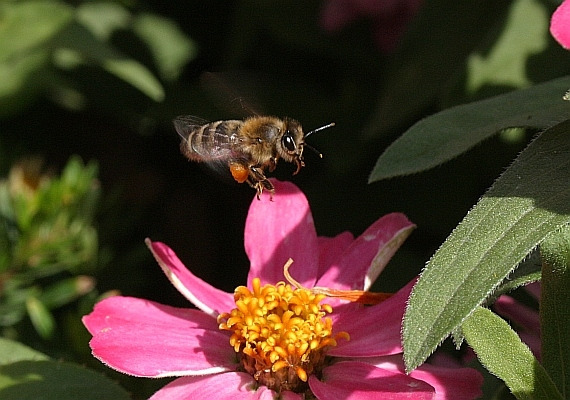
{"x":555,"y":308}
{"x":445,"y":135}
{"x":528,"y":202}
{"x":501,"y":351}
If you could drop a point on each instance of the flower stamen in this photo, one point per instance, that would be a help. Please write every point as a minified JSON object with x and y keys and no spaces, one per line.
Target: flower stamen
{"x":281,"y":333}
{"x":358,"y":296}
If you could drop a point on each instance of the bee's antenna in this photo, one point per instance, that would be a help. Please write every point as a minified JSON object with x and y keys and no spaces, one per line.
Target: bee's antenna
{"x":313,"y":131}
{"x":319,"y":129}
{"x":313,"y":149}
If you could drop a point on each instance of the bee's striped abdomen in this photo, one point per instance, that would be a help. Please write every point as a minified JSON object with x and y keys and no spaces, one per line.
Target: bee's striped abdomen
{"x":211,"y":142}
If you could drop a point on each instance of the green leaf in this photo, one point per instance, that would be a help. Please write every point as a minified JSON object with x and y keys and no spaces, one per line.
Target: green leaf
{"x":103,"y":18}
{"x":171,"y":49}
{"x":501,"y":351}
{"x":21,"y":81}
{"x":18,"y":34}
{"x":41,"y":317}
{"x":524,"y":34}
{"x":449,"y":133}
{"x":136,"y":74}
{"x":436,"y":45}
{"x":528,"y":271}
{"x":555,"y":308}
{"x":66,"y":291}
{"x":23,"y":54}
{"x":11,"y":352}
{"x":79,"y":39}
{"x":29,"y":380}
{"x":530,"y":200}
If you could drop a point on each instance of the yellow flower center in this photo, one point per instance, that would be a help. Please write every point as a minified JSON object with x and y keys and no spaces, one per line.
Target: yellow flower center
{"x":281,"y":334}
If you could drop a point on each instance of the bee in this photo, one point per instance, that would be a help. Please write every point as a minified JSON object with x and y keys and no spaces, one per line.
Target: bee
{"x":247,"y":147}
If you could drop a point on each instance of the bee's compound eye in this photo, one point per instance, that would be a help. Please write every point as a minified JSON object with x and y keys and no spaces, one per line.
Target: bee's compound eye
{"x":288,"y":142}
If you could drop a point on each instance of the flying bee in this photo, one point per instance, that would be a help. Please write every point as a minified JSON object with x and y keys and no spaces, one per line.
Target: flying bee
{"x":248,"y":147}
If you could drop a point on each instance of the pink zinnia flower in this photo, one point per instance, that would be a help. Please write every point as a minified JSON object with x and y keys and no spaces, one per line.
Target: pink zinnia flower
{"x":270,"y":339}
{"x":560,"y":24}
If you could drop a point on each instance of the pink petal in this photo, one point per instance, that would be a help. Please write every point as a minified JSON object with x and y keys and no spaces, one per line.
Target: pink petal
{"x":388,"y":30}
{"x":391,"y":23}
{"x":533,"y":289}
{"x":336,"y":14}
{"x":375,"y":330}
{"x":204,"y":296}
{"x":278,"y":230}
{"x":227,"y":386}
{"x":449,"y":383}
{"x":367,"y":256}
{"x":144,"y":338}
{"x":331,"y":251}
{"x":355,"y":380}
{"x":522,"y":315}
{"x":533,"y":342}
{"x":560,"y":24}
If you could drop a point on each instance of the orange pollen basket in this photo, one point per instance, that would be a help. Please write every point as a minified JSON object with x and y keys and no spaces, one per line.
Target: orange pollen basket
{"x":239,"y":172}
{"x":281,"y":334}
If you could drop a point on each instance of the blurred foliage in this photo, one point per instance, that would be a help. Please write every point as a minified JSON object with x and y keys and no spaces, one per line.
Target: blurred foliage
{"x":104,"y":79}
{"x":35,"y":56}
{"x":47,"y":241}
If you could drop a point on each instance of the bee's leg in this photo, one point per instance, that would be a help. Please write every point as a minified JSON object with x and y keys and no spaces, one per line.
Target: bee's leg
{"x":259,"y":182}
{"x":267,"y":185}
{"x":300,"y":163}
{"x":272,"y":164}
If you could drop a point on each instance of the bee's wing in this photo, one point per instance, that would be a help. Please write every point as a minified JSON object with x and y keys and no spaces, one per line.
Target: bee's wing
{"x":216,"y":145}
{"x":186,"y":124}
{"x":215,"y":158}
{"x":228,"y":94}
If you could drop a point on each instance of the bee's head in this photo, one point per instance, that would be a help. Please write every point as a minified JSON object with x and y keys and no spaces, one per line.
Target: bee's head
{"x":293,"y":142}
